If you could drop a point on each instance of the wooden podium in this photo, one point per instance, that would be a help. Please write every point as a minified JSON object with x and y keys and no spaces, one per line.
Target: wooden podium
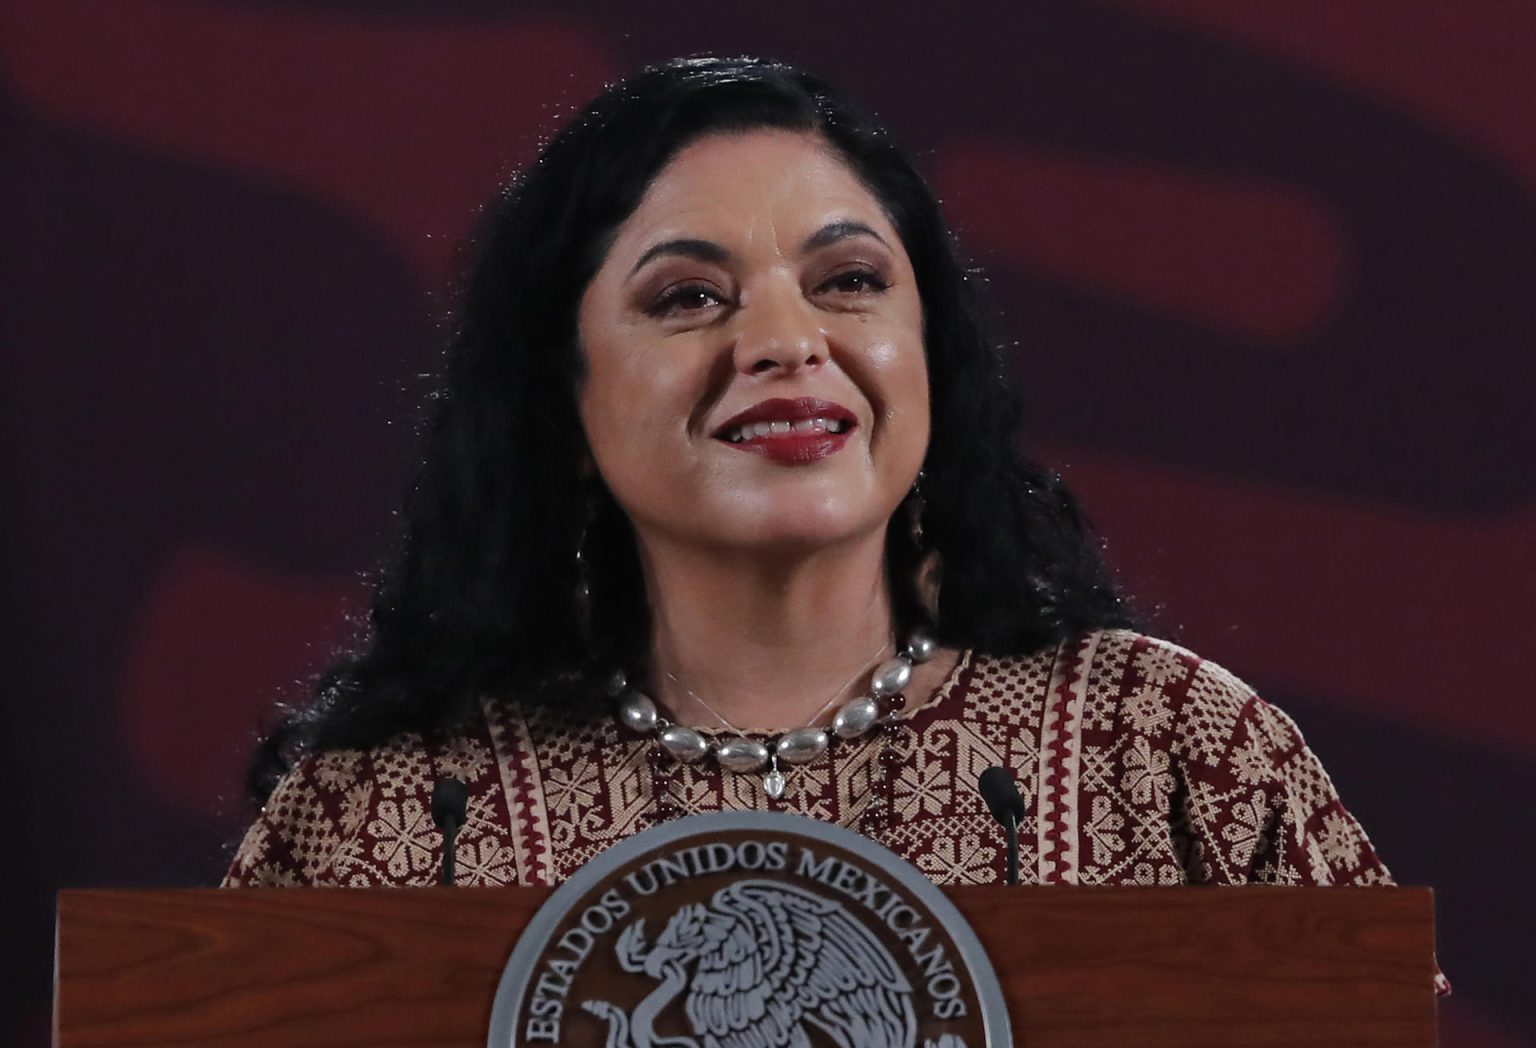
{"x":281,"y":968}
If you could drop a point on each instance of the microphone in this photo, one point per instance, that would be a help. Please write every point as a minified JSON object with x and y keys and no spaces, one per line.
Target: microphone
{"x":1007,"y":807}
{"x":450,"y":799}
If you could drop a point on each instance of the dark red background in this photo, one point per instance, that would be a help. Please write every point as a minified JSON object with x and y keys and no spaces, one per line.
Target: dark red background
{"x":1270,"y":265}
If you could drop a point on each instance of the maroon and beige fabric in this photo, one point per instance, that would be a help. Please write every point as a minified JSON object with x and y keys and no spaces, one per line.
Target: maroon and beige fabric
{"x":1138,"y":762}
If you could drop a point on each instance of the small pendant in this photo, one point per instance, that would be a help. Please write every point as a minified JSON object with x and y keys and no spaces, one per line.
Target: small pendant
{"x":773,"y":782}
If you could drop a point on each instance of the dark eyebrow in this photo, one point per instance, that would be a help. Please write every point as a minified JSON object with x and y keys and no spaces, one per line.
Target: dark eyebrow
{"x":832,"y":232}
{"x":699,"y":250}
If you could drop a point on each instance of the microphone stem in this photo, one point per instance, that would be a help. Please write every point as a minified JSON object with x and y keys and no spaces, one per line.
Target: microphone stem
{"x":1013,"y":850}
{"x":450,"y":834}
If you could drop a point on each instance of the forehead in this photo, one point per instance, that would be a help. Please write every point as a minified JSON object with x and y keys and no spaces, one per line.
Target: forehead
{"x":732,"y":184}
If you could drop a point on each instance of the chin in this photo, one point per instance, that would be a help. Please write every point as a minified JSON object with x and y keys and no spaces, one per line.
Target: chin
{"x":789,"y":526}
{"x":800,"y":542}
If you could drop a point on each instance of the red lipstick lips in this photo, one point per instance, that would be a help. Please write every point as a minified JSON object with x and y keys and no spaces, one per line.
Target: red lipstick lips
{"x":795,"y":432}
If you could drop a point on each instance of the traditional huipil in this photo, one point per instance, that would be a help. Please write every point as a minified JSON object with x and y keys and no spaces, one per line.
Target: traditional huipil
{"x":1138,"y":763}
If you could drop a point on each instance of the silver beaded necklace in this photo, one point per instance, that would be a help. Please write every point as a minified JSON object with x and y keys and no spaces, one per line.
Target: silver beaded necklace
{"x":854,"y":719}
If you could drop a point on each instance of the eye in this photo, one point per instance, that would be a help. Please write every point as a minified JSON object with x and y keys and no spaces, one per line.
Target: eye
{"x":685,"y":298}
{"x":860,"y":281}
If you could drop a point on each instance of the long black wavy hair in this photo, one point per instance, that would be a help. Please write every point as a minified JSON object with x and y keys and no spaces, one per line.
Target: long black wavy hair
{"x":479,"y":599}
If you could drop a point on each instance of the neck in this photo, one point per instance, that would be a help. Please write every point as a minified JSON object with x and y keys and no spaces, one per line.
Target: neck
{"x":765,"y":641}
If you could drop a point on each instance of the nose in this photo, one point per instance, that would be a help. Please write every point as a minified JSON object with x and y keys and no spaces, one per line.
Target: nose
{"x":778,"y":331}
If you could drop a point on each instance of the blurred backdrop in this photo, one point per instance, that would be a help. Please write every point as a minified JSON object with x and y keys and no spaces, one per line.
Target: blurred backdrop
{"x":1269,"y":267}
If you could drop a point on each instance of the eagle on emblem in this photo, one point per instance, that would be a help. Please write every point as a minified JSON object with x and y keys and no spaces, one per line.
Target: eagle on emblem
{"x":764,"y":964}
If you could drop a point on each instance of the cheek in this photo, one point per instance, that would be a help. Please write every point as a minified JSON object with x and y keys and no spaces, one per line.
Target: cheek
{"x":898,"y":372}
{"x":602,"y":402}
{"x":897,"y":358}
{"x":633,"y":397}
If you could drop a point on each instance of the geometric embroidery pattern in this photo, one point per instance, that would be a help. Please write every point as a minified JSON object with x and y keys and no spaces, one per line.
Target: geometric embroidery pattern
{"x":1138,"y":763}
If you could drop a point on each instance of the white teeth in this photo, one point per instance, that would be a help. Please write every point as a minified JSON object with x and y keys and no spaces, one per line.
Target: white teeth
{"x":783,"y":427}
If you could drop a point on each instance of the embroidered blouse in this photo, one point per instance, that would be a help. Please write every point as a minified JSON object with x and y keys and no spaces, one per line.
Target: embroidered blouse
{"x":1138,"y":763}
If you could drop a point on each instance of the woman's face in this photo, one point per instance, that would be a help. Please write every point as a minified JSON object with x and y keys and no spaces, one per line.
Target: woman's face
{"x":755,"y":376}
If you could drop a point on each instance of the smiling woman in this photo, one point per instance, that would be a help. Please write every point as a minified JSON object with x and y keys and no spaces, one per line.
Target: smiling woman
{"x":772,"y":320}
{"x":721,"y":507}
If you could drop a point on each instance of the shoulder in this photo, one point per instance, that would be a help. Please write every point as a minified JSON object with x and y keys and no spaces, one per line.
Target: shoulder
{"x":1254,"y":802}
{"x":1125,"y":659}
{"x":1201,"y":710}
{"x":299,"y":831}
{"x":362,"y":817}
{"x":1118,"y":662}
{"x":1101,"y":652}
{"x":1117,"y":685}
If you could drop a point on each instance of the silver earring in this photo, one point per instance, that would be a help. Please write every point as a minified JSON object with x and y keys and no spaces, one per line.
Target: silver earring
{"x":925,"y":561}
{"x":583,"y":593}
{"x":914,"y":505}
